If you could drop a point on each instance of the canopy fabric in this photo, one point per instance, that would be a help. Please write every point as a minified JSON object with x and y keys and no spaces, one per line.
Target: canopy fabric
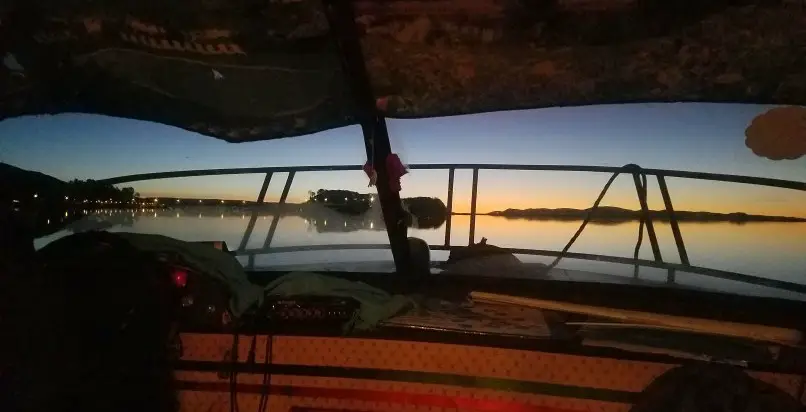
{"x":244,"y":70}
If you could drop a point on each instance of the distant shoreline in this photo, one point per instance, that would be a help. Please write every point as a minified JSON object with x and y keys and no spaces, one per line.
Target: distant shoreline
{"x":616,"y":214}
{"x":604,"y":214}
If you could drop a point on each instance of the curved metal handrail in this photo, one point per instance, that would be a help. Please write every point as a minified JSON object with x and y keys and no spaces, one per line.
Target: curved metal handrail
{"x":660,"y":174}
{"x":673,"y":267}
{"x":759,"y":181}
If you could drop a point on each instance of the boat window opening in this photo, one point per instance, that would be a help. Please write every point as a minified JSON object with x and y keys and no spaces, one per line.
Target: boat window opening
{"x":306,"y":203}
{"x":270,"y":251}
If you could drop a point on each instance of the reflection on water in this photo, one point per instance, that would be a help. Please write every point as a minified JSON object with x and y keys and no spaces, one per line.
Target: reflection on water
{"x":344,"y":223}
{"x":773,"y":250}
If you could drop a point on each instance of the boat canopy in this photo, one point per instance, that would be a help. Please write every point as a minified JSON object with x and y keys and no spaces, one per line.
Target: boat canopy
{"x":244,"y":70}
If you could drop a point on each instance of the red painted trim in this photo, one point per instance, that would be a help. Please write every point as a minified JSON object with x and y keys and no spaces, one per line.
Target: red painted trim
{"x":440,"y":401}
{"x":307,"y":409}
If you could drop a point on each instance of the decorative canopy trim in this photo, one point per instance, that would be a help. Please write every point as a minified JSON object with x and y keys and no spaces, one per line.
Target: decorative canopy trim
{"x":242,"y":71}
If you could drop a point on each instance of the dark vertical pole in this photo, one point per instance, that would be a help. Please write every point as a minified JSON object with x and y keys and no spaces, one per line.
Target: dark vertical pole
{"x":262,"y":195}
{"x":276,"y":218}
{"x":449,"y":207}
{"x":678,"y":237}
{"x":650,"y":228}
{"x":253,"y":219}
{"x":341,"y":17}
{"x":473,"y":197}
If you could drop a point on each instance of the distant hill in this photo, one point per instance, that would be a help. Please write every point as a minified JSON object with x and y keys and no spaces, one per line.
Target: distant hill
{"x":617,"y":214}
{"x":37,"y":192}
{"x":20,"y":183}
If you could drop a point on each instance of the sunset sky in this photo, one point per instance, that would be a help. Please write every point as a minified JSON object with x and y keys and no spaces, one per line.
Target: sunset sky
{"x":695,"y":137}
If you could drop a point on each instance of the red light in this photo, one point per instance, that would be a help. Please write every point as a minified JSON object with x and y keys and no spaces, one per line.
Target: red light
{"x":180,"y":277}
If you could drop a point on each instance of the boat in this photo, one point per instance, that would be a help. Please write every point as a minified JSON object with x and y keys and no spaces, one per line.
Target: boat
{"x":299,"y":339}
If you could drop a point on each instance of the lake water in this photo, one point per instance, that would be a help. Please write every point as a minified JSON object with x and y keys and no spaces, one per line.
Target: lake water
{"x":771,"y":250}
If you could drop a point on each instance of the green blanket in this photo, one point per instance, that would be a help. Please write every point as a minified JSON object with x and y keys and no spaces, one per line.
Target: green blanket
{"x":208,"y":260}
{"x":375,"y":304}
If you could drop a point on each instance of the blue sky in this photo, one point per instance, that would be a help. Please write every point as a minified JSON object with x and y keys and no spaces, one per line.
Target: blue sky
{"x":683,"y":136}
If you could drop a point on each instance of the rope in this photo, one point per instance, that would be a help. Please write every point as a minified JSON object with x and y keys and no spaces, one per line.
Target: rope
{"x":250,"y":359}
{"x":629,"y":168}
{"x":233,"y":376}
{"x":642,"y":189}
{"x":267,"y":363}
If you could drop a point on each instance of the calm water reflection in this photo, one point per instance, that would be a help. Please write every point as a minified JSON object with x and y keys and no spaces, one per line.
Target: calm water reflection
{"x":773,"y":250}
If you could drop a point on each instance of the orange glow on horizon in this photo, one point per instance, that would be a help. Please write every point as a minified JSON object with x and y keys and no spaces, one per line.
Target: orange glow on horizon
{"x":501,"y":190}
{"x":792,"y":206}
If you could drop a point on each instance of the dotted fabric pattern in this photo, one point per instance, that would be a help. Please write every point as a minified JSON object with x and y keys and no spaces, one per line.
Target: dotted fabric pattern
{"x":520,"y":365}
{"x":202,"y":400}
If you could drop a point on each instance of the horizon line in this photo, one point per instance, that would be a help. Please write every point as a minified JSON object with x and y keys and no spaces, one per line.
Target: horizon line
{"x":490,"y":213}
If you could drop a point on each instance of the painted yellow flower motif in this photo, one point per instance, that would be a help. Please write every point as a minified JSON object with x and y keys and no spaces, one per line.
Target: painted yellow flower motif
{"x":778,"y":134}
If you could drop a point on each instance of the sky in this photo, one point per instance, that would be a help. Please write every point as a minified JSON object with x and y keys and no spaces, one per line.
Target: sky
{"x":680,"y":136}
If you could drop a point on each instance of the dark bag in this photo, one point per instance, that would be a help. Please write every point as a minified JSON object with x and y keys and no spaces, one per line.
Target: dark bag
{"x":94,"y":323}
{"x":712,"y":388}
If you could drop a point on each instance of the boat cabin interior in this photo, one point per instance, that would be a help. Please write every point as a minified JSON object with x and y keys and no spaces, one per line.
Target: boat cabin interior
{"x":126,"y":321}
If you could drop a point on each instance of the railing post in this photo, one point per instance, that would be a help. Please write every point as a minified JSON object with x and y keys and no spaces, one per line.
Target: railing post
{"x":678,"y":237}
{"x":262,"y":195}
{"x":253,"y":219}
{"x":650,"y":228}
{"x":451,"y":172}
{"x":275,"y":219}
{"x":473,"y":197}
{"x":341,"y":16}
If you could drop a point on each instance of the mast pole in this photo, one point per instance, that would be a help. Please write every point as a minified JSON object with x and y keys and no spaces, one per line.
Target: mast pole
{"x":341,"y":17}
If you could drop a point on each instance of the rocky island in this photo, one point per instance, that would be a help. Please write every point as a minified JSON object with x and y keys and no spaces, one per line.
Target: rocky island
{"x":611,"y":214}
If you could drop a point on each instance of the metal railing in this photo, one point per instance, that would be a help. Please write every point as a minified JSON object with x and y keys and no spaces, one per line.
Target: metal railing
{"x":636,"y":173}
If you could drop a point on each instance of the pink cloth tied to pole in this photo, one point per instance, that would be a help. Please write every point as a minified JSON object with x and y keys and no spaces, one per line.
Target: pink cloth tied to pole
{"x":395,"y":169}
{"x":371,"y":174}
